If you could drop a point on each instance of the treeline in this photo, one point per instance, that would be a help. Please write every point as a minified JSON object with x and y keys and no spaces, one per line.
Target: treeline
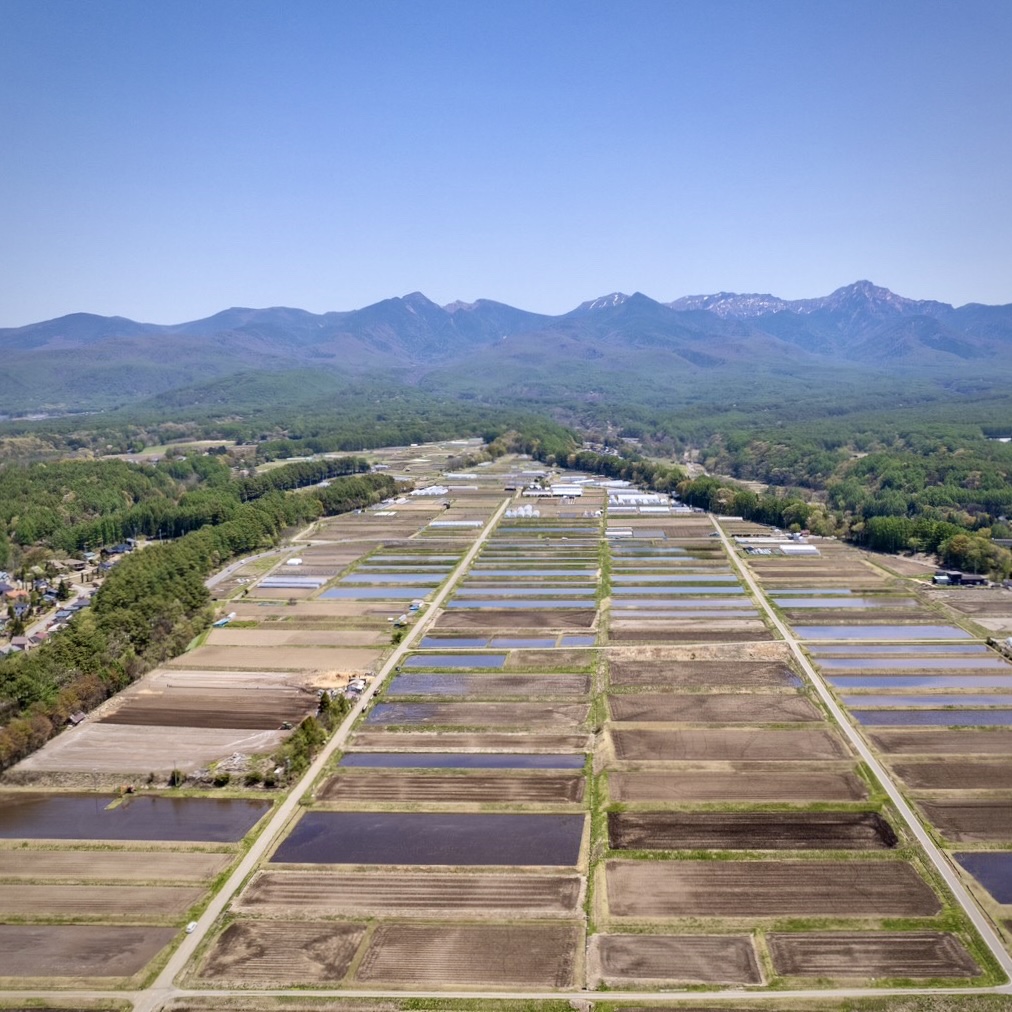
{"x":150,"y":606}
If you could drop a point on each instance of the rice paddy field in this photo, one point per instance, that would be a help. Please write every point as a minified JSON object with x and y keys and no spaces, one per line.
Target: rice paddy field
{"x":596,"y":766}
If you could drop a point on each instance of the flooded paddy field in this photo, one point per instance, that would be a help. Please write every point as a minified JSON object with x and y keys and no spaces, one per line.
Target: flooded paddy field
{"x":879,"y":662}
{"x":516,"y":620}
{"x":80,"y":951}
{"x":624,"y":960}
{"x":727,"y":745}
{"x":462,"y":760}
{"x":840,"y":889}
{"x":708,"y":708}
{"x":684,"y":786}
{"x":877,"y":683}
{"x":472,"y":661}
{"x":871,"y":954}
{"x":493,"y":715}
{"x":880,"y":632}
{"x":957,"y":717}
{"x":935,"y":700}
{"x":30,"y":816}
{"x":966,"y":821}
{"x":438,"y":788}
{"x":992,"y":869}
{"x":425,"y":894}
{"x":749,"y":831}
{"x":442,"y":838}
{"x":490,"y":686}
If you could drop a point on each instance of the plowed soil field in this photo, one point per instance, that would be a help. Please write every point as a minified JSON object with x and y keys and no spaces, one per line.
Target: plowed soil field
{"x":420,"y":741}
{"x":681,"y":959}
{"x":516,"y":955}
{"x":520,"y":619}
{"x":857,"y":888}
{"x":281,"y":953}
{"x":749,"y":831}
{"x":956,"y":776}
{"x":755,"y":787}
{"x":494,"y":686}
{"x":238,"y":707}
{"x":737,"y":708}
{"x":970,"y":821}
{"x":411,"y":894}
{"x":944,"y":742}
{"x":135,"y":903}
{"x":111,"y":865}
{"x":727,"y":745}
{"x":78,"y":950}
{"x":287,"y":637}
{"x":357,"y":659}
{"x":663,"y":631}
{"x":433,"y":788}
{"x":865,"y":954}
{"x":702,"y":674}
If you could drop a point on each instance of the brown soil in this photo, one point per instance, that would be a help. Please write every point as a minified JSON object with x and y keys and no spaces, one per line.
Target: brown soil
{"x":867,"y":954}
{"x":755,"y":787}
{"x":507,"y":686}
{"x":727,"y":745}
{"x":683,"y":959}
{"x":767,"y":889}
{"x":111,"y":865}
{"x":79,"y":950}
{"x":136,"y":903}
{"x":701,"y":674}
{"x":411,"y":894}
{"x":956,"y":776}
{"x":521,"y":955}
{"x":749,"y":831}
{"x":519,"y":715}
{"x":434,"y":788}
{"x":573,"y":660}
{"x":232,"y":708}
{"x":971,"y":821}
{"x":289,"y":637}
{"x":358,"y":659}
{"x":421,"y":741}
{"x":943,"y":742}
{"x":281,"y":953}
{"x":516,"y":618}
{"x":715,"y":709}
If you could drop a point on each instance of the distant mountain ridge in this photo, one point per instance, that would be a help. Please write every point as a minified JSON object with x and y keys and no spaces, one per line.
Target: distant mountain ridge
{"x":84,"y":360}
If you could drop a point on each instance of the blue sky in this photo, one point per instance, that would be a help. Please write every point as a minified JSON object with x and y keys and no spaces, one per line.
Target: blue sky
{"x":163,"y":161}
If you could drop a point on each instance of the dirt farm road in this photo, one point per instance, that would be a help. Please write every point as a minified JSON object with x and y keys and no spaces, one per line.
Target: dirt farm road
{"x":980,"y":922}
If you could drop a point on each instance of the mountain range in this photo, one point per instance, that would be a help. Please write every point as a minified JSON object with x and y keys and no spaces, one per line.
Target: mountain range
{"x":85,"y":362}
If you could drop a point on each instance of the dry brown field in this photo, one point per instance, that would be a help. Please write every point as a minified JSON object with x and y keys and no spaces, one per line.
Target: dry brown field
{"x":281,"y":953}
{"x":498,"y":955}
{"x":519,"y":715}
{"x":749,"y":831}
{"x":435,"y":788}
{"x":280,"y":658}
{"x":364,"y":893}
{"x":442,"y":741}
{"x":281,"y":593}
{"x":229,"y":637}
{"x":750,"y":675}
{"x":699,"y":708}
{"x":929,"y":742}
{"x":305,"y":610}
{"x":516,"y":618}
{"x":727,"y":745}
{"x":970,"y":821}
{"x":956,"y":776}
{"x":79,"y":950}
{"x":573,"y":660}
{"x":871,"y":954}
{"x":686,"y":785}
{"x":506,"y":686}
{"x":850,"y":616}
{"x":134,"y":903}
{"x":111,"y":865}
{"x":730,"y":654}
{"x":138,"y":750}
{"x":669,"y":631}
{"x":674,"y":959}
{"x":663,"y":889}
